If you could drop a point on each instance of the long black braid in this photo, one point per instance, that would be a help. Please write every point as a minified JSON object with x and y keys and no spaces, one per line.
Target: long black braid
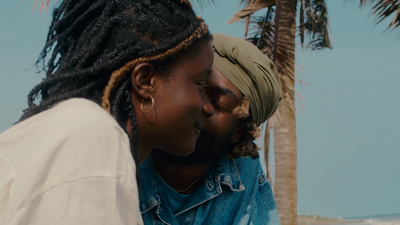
{"x":93,"y":44}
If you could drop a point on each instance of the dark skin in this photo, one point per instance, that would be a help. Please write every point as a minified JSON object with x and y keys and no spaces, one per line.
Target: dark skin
{"x":221,"y":127}
{"x":180,"y":103}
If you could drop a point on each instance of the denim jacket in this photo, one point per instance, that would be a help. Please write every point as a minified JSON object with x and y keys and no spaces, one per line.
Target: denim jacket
{"x":232,"y":192}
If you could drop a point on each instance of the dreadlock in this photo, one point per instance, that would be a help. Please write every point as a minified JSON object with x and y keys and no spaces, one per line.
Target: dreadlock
{"x":246,"y":146}
{"x":93,"y":44}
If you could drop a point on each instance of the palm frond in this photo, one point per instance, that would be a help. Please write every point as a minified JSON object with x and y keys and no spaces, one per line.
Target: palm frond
{"x":386,"y":8}
{"x":44,"y":5}
{"x":314,"y":21}
{"x":314,"y":24}
{"x":363,"y":3}
{"x":251,"y":7}
{"x":246,"y":26}
{"x":262,"y":34}
{"x":202,"y":4}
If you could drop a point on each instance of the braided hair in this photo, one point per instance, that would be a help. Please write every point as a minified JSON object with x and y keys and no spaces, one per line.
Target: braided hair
{"x":93,"y":44}
{"x":246,"y":146}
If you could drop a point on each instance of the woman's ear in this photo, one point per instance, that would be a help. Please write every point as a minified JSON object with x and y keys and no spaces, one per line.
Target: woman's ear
{"x":142,"y":78}
{"x":238,"y":133}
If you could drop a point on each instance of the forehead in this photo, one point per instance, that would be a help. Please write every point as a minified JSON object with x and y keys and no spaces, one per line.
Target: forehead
{"x":218,"y":80}
{"x":187,"y":65}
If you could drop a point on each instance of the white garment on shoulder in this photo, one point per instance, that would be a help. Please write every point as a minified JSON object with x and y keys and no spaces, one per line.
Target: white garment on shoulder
{"x":70,"y":164}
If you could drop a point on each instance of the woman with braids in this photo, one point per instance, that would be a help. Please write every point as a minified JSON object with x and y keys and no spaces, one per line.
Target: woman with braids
{"x":122,"y":77}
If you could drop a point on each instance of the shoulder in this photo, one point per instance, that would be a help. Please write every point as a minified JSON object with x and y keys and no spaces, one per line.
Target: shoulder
{"x":78,"y":111}
{"x":77,"y":132}
{"x":250,"y":171}
{"x":75,"y":121}
{"x":69,"y":116}
{"x":247,"y":164}
{"x":244,"y":167}
{"x":74,"y":140}
{"x":80,"y":128}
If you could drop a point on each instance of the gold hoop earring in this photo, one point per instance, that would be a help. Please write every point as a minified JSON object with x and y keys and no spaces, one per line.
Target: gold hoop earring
{"x":152,"y":105}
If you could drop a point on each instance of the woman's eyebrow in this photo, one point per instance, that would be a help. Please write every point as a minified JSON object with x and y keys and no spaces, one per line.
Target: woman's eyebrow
{"x":228,"y":93}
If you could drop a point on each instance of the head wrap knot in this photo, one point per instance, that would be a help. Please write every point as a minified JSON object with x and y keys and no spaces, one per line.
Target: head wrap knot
{"x":253,"y":73}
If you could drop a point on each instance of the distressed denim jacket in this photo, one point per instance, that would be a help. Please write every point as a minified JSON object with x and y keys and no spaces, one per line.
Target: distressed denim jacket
{"x":232,"y":192}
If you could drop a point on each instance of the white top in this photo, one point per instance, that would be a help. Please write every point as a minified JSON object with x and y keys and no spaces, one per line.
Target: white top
{"x":70,"y":164}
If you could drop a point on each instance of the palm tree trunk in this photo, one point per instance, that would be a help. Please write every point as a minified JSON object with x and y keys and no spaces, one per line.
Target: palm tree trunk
{"x":285,"y":146}
{"x":266,"y":150}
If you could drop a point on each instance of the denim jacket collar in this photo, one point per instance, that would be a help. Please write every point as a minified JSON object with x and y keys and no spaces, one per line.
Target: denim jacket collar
{"x":148,"y":192}
{"x":226,"y":172}
{"x":223,"y":172}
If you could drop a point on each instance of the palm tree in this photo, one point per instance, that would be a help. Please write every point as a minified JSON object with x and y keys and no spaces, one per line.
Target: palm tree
{"x":383,"y":9}
{"x":275,"y":36}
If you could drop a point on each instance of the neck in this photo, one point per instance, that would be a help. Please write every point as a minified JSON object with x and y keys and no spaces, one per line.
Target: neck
{"x":144,"y":149}
{"x":181,"y":177}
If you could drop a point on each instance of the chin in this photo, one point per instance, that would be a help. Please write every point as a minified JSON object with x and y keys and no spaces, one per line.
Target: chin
{"x":182,"y":151}
{"x":206,"y":150}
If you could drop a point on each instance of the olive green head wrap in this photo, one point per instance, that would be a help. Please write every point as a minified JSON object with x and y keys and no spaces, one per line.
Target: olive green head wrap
{"x":253,"y":73}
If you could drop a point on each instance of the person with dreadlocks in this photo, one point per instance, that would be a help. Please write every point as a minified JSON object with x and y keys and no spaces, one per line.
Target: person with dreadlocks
{"x":122,"y":77}
{"x":222,"y":182}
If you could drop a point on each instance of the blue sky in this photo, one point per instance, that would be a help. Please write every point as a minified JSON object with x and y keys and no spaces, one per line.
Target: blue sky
{"x":348,"y":138}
